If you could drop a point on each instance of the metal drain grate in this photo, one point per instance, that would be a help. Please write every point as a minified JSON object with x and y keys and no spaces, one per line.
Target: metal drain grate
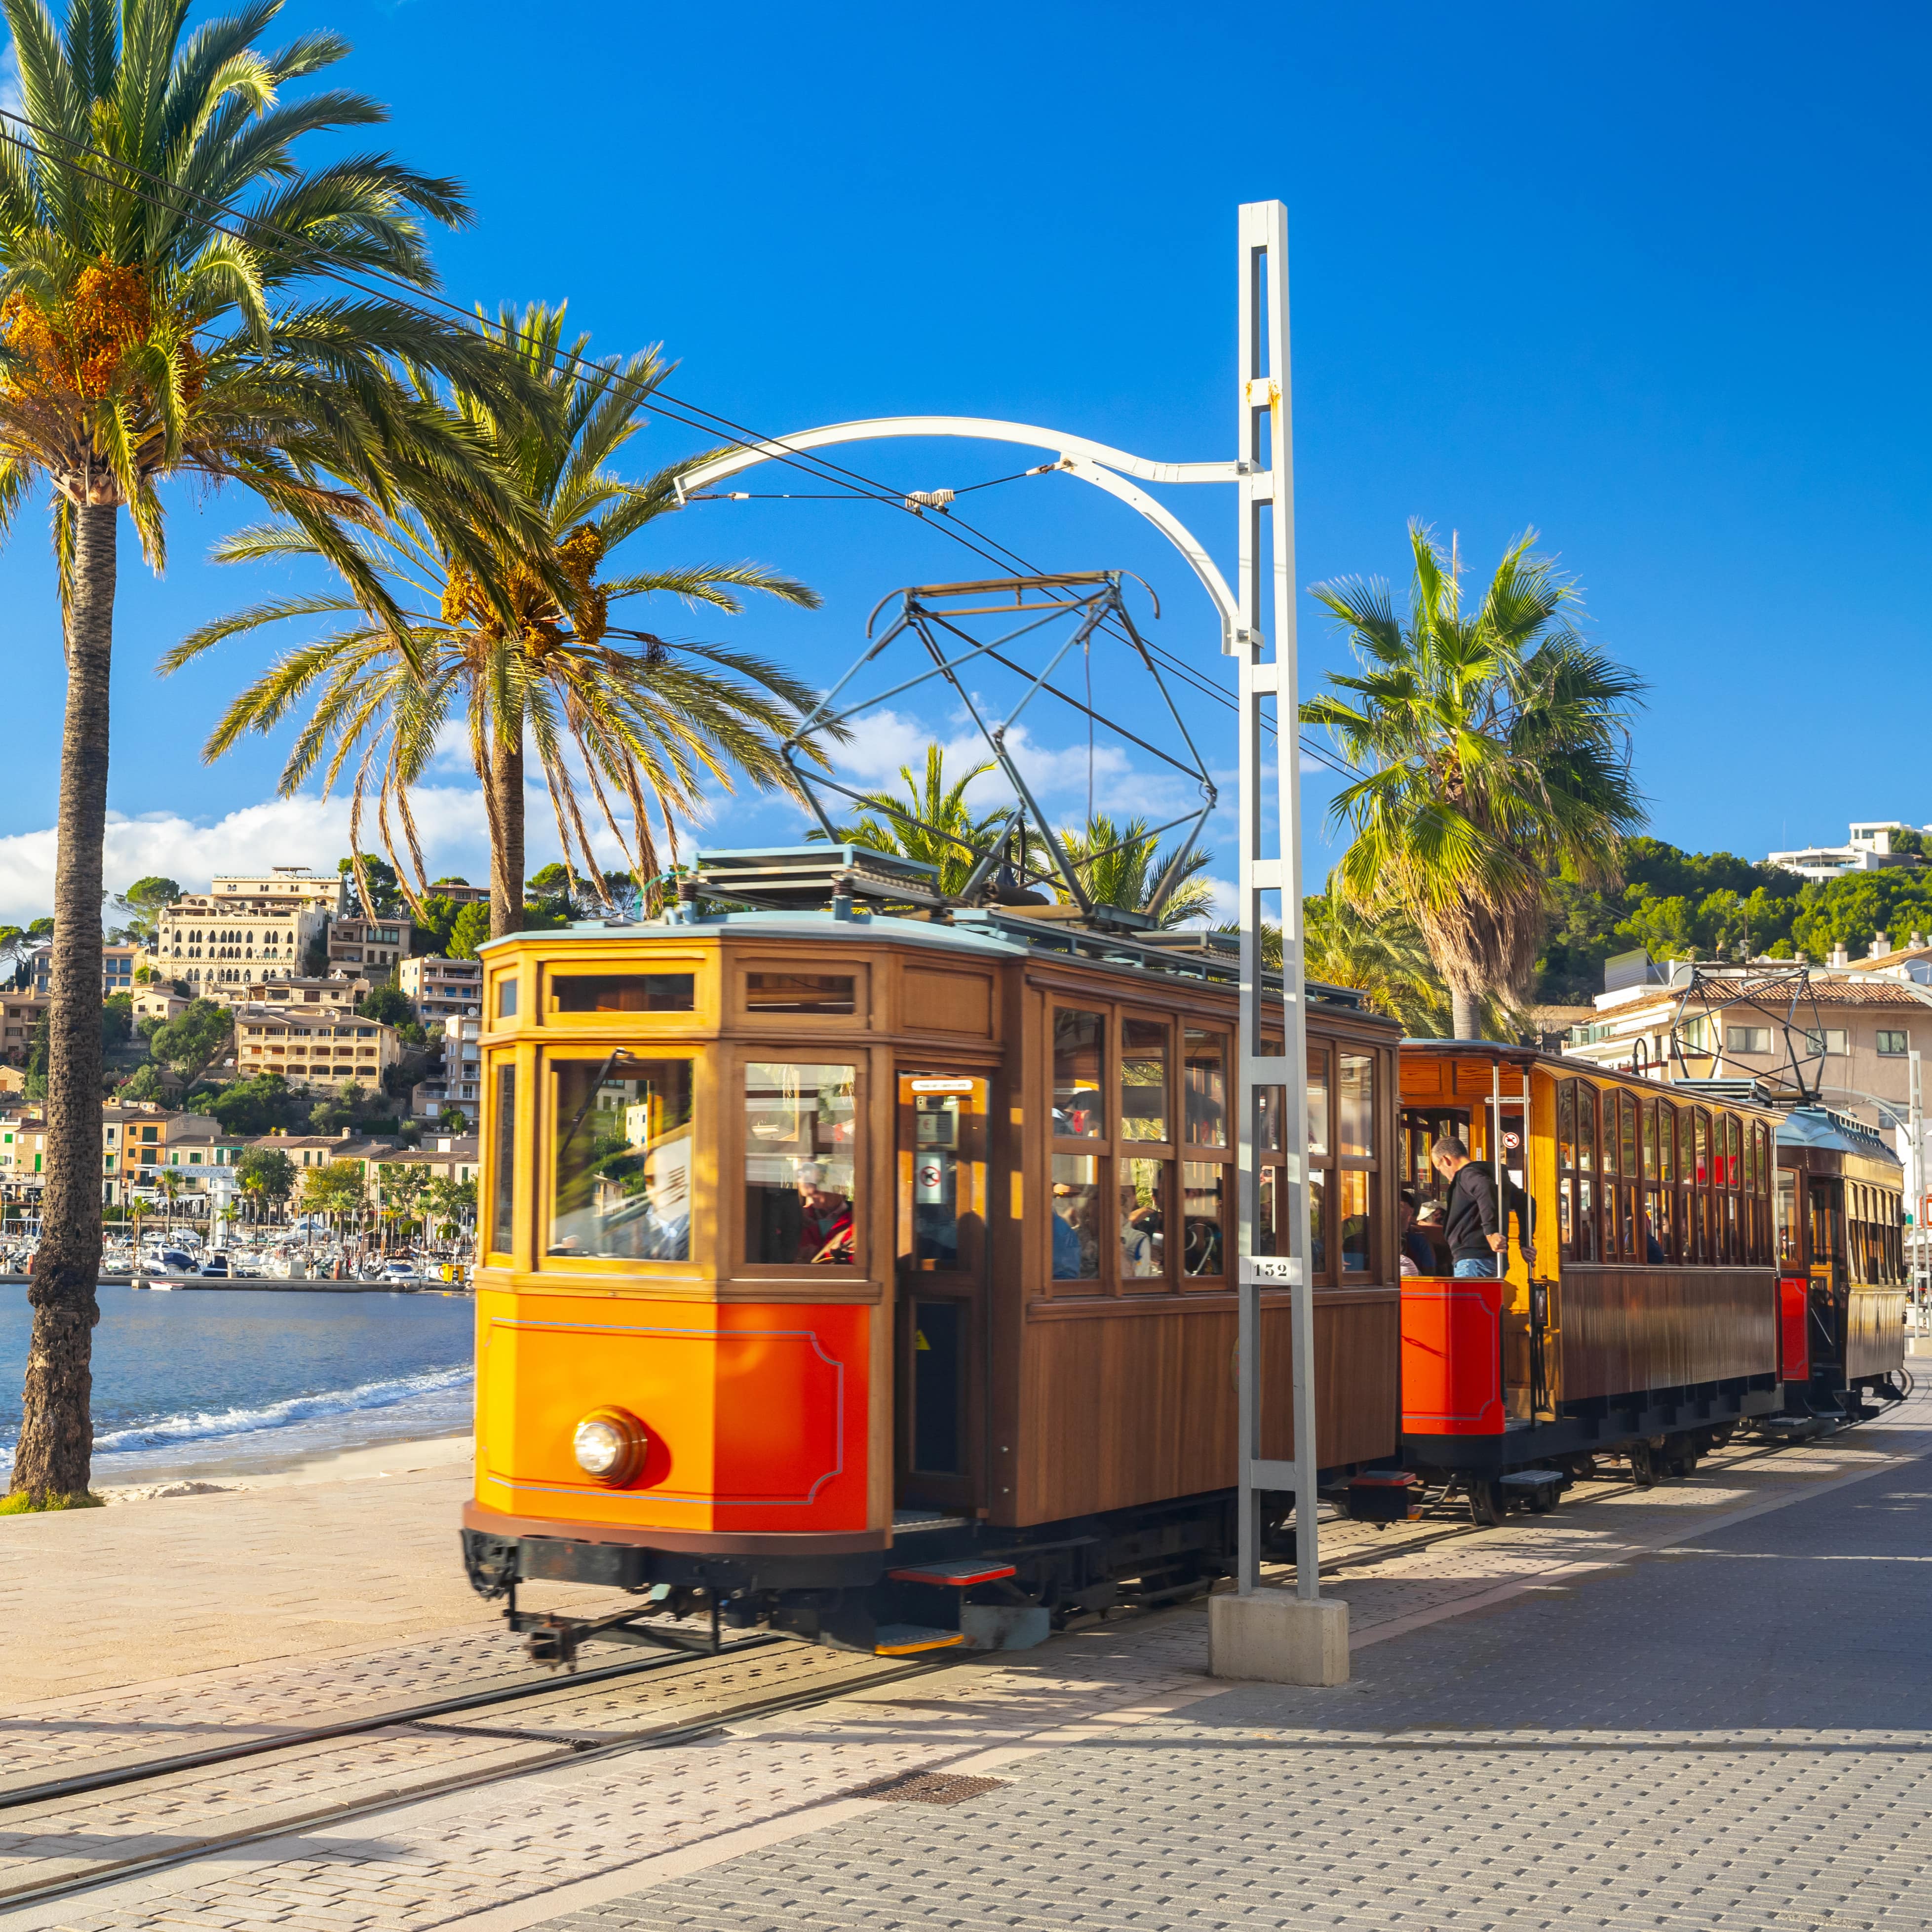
{"x":928,"y":1787}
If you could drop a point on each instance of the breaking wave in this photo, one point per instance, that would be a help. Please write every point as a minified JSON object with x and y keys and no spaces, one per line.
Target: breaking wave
{"x":208,"y":1426}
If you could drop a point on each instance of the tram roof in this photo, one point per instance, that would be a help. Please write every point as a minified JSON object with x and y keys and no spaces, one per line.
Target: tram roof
{"x":1826,"y":1130}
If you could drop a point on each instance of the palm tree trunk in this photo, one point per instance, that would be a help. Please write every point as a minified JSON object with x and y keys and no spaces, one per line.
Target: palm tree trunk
{"x":56,"y":1450}
{"x":1463,"y":1022}
{"x":506,"y":849}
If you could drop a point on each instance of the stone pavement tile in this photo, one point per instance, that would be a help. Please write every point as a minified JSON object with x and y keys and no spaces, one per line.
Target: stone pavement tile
{"x":1743,"y":1738}
{"x":496,"y":1855}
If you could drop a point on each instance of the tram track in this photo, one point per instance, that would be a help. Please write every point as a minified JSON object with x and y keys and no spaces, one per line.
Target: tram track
{"x":573,"y":1748}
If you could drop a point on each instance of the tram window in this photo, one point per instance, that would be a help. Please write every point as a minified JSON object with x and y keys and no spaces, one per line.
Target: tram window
{"x":1318,"y":1103}
{"x":623,"y":992}
{"x":1205,"y":1059}
{"x":1144,"y":1218}
{"x":801,"y":1147}
{"x":1204,"y":1219}
{"x":1650,"y":1140}
{"x":1586,"y":1172}
{"x":1076,"y":1216}
{"x":1143,"y":1080}
{"x":621,"y":1140}
{"x":503,"y":1161}
{"x":938,"y":1380}
{"x":1268,"y":1238}
{"x":1356,"y":1227}
{"x":1356,"y":1089}
{"x":1789,"y":1244}
{"x":1078,"y":1054}
{"x":1273,"y":1105}
{"x":1632,"y":1245}
{"x":820,"y":993}
{"x":506,"y":996}
{"x":1663,"y":1230}
{"x":1317,"y":1223}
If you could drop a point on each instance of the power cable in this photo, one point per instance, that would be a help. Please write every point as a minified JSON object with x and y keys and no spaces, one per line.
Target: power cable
{"x":657,"y":400}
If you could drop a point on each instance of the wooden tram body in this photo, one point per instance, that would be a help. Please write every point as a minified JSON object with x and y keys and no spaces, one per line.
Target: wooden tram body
{"x":1841,"y":1264}
{"x":1649,"y":1325}
{"x":1002,"y":1388}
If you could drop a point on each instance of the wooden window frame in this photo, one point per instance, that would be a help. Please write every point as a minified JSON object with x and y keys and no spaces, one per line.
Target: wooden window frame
{"x":733,"y":1139}
{"x":1195,"y":1153}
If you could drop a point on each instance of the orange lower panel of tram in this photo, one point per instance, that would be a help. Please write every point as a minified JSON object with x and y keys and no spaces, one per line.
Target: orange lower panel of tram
{"x":1452,"y":1357}
{"x":755,"y":1416}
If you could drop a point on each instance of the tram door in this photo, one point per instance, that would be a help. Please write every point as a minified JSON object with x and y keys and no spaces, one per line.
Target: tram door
{"x":942,"y":1288}
{"x":1828,"y":1267}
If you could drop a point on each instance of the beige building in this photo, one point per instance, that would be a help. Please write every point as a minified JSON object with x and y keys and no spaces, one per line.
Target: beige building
{"x":316,"y":1051}
{"x":371,"y":947}
{"x":1855,"y":1050}
{"x":241,"y":933}
{"x":285,"y":884}
{"x":157,"y":1003}
{"x":19,"y":1015}
{"x":440,"y":989}
{"x":459,"y":1084}
{"x":333,"y":995}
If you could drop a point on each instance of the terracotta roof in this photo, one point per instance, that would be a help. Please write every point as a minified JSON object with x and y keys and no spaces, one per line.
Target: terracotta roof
{"x":1828,"y":992}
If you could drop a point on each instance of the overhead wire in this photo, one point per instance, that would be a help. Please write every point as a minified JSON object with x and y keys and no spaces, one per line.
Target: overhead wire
{"x":656,"y":400}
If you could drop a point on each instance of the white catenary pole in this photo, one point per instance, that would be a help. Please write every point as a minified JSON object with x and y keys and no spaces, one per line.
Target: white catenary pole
{"x":1313,"y":1647}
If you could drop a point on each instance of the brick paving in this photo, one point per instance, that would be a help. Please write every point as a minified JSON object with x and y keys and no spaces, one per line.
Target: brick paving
{"x":1737,"y":1735}
{"x":1131,"y":1787}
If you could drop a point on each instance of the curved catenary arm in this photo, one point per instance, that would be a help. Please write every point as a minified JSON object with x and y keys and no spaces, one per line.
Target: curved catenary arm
{"x":1095,"y":462}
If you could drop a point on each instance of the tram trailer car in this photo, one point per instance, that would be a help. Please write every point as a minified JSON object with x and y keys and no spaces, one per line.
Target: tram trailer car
{"x":1841,"y":1271}
{"x":1649,"y":1328}
{"x":867,"y":1276}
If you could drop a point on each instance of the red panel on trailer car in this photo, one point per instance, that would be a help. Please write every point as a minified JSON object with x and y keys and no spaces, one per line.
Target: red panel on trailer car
{"x":1794,"y":1331}
{"x":1452,"y":1370}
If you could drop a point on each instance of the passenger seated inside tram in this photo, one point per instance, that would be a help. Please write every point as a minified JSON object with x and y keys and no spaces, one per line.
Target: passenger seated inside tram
{"x":1653,"y":1249}
{"x":1428,"y":1226}
{"x":1418,"y":1251}
{"x":825,"y":1219}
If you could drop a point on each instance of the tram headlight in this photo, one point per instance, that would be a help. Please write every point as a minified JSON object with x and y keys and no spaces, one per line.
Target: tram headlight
{"x":609,"y":1444}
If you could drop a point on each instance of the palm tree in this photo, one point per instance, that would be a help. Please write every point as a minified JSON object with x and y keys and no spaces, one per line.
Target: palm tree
{"x":518,"y":642}
{"x":931,"y":822}
{"x":1494,"y":749}
{"x":1119,"y":866}
{"x":1384,"y":959}
{"x":160,"y":250}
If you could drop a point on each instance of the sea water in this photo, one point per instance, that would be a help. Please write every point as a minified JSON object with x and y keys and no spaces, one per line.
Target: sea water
{"x":209,"y":1381}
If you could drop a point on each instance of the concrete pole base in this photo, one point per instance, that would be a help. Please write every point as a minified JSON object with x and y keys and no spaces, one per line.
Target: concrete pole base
{"x":1274,"y":1637}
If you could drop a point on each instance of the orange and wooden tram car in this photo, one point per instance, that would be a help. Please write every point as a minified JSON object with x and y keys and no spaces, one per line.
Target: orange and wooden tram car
{"x":1647,"y":1326}
{"x":867,"y":1275}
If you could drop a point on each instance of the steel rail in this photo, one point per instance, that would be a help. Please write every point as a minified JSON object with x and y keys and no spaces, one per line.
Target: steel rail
{"x":12,"y":1798}
{"x":350,"y":1810}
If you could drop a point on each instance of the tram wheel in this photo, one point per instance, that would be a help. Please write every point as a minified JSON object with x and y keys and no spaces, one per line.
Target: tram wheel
{"x":1643,"y":1466}
{"x":1486,"y":1505}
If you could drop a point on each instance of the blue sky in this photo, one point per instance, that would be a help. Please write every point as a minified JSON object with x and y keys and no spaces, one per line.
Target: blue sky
{"x":1650,"y":278}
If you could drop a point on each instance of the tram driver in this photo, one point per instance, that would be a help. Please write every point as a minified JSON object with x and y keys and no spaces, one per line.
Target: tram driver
{"x":825,"y":1219}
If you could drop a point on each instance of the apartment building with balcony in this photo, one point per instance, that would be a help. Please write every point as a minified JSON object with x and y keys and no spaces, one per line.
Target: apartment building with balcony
{"x":371,"y":947}
{"x":460,"y":1082}
{"x":20,"y":1013}
{"x":317,"y":1052}
{"x":439,"y":989}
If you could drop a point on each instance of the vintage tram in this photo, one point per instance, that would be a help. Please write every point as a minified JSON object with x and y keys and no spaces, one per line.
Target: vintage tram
{"x":1645,"y":1327}
{"x":867,"y":1275}
{"x":1841,"y":1270}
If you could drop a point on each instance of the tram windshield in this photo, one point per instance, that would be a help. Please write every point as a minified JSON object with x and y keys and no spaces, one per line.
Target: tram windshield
{"x":801,"y":1130}
{"x":621,"y":1171}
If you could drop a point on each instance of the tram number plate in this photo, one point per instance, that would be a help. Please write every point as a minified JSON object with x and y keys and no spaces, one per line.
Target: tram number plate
{"x":1270,"y":1271}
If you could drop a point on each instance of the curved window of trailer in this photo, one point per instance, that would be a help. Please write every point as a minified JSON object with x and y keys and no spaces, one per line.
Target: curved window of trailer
{"x":801,"y":1163}
{"x":621,"y":1142}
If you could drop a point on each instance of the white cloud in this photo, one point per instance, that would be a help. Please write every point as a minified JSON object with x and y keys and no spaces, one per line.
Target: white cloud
{"x":12,"y":101}
{"x":301,"y":831}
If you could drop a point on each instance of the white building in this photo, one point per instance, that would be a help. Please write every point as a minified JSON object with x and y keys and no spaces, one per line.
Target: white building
{"x":1872,"y":843}
{"x":459,"y":1083}
{"x":243,"y":931}
{"x":439,"y":987}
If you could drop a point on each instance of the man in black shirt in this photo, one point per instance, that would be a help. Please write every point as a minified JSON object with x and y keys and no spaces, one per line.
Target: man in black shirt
{"x":1470,"y":1219}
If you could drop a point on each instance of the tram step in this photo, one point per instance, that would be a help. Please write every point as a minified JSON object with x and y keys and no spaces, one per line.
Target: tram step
{"x":1533,"y":1482}
{"x":953,"y":1576}
{"x":904,"y":1639}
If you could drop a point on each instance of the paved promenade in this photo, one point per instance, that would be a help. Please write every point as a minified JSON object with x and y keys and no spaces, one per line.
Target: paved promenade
{"x":1705,"y":1706}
